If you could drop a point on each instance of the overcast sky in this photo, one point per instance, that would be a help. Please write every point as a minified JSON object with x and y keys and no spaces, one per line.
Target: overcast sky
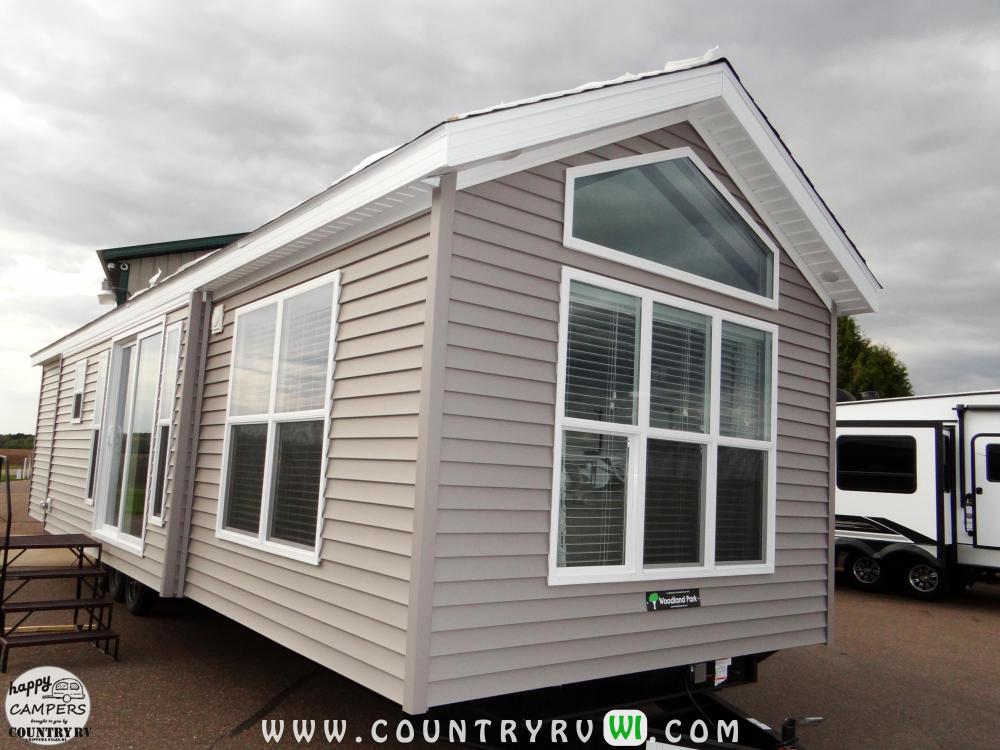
{"x":131,"y":122}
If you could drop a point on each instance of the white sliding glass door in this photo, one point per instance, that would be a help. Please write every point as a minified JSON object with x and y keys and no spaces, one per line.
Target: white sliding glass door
{"x":130,"y":416}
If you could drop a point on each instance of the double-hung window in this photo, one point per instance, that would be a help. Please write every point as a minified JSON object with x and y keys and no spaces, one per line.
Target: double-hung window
{"x":277,"y":427}
{"x":164,"y":422}
{"x":665,"y":452}
{"x":95,"y":426}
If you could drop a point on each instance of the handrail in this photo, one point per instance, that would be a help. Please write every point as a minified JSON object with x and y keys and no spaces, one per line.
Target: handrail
{"x":5,"y":468}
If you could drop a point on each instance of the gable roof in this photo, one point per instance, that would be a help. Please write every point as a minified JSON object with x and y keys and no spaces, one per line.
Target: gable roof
{"x":489,"y":143}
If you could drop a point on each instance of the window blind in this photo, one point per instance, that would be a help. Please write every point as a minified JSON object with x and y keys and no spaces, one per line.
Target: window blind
{"x":305,"y":350}
{"x":679,"y":369}
{"x":299,"y":456}
{"x":592,"y":510}
{"x":248,"y":446}
{"x":601,"y":357}
{"x":162,"y":454}
{"x":674,"y":496}
{"x":739,"y":511}
{"x":168,"y":385}
{"x":745,"y":398}
{"x":252,"y":362}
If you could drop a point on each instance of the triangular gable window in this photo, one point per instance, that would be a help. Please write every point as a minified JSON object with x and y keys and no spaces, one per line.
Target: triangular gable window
{"x":667,"y":213}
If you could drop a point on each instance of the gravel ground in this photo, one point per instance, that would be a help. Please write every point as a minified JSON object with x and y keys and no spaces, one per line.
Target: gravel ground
{"x":901,"y":674}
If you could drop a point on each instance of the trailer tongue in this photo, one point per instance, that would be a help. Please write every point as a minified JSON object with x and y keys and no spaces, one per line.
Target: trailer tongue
{"x":671,"y":708}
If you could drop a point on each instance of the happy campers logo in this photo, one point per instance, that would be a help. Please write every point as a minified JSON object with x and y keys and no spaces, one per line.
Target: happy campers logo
{"x":48,"y":706}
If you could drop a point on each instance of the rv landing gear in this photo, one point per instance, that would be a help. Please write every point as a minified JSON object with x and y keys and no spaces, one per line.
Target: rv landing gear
{"x":923,"y":580}
{"x":864,"y":572}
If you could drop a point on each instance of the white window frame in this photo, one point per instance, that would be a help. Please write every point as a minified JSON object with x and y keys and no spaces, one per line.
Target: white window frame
{"x":107,"y":533}
{"x":660,"y":269}
{"x":168,"y":422}
{"x":271,"y":418}
{"x":639,"y":433}
{"x":96,"y":427}
{"x":79,"y":389}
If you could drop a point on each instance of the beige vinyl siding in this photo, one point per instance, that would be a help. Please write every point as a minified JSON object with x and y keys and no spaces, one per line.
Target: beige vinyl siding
{"x":141,"y":270}
{"x":349,"y":612}
{"x":70,"y":513}
{"x":44,"y":431}
{"x":497,"y":626}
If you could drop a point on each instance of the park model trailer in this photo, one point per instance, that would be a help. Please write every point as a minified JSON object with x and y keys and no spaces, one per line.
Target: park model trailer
{"x":918,"y":491}
{"x":543,"y":396}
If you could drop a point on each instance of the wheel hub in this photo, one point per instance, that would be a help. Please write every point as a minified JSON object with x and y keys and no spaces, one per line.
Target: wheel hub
{"x":867,"y":570}
{"x":923,"y":578}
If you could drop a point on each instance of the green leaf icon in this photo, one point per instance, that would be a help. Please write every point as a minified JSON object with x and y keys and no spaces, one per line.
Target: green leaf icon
{"x":654,"y":598}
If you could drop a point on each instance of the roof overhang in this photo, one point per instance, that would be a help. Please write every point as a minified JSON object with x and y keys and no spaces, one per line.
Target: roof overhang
{"x":512,"y":137}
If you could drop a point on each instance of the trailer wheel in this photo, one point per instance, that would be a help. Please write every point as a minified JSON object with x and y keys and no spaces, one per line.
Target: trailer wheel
{"x":924,"y":580}
{"x":864,"y":572}
{"x":116,"y":584}
{"x":138,"y":598}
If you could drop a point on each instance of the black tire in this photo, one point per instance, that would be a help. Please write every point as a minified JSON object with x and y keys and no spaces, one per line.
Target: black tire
{"x":116,"y":584}
{"x":923,"y":579}
{"x":864,"y":572}
{"x":139,"y":599}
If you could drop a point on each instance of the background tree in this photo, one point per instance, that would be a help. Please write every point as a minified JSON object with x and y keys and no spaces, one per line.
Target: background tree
{"x":865,"y":366}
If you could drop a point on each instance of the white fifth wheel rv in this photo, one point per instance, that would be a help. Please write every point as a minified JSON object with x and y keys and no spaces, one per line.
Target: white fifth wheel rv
{"x":918,"y":491}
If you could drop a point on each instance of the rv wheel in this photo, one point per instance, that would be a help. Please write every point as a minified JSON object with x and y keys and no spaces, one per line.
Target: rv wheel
{"x":138,"y":598}
{"x":864,"y":572}
{"x":116,"y":584}
{"x":924,"y":580}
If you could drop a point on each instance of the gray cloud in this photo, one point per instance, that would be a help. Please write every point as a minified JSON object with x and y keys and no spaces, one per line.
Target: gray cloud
{"x":128,"y":122}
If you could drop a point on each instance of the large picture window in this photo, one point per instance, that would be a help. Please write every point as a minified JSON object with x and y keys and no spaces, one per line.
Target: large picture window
{"x":667,"y":213}
{"x":665,"y":449}
{"x":278,"y":421}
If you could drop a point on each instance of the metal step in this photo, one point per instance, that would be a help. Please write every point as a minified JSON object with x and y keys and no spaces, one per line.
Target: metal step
{"x":87,"y":571}
{"x":56,"y":604}
{"x":46,"y":638}
{"x":49,"y":541}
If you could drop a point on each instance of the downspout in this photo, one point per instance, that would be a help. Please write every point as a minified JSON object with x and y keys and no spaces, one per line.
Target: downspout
{"x":178,"y":519}
{"x":832,"y":490}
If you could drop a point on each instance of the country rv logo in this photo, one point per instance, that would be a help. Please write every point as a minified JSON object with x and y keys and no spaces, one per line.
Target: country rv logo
{"x":48,"y":706}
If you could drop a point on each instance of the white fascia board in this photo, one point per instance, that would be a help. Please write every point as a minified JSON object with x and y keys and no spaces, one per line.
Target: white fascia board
{"x":129,"y":315}
{"x":776,"y":154}
{"x":491,"y":135}
{"x":543,"y":154}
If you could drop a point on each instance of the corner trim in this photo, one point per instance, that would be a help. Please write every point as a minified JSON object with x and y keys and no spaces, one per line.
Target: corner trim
{"x":420,"y":605}
{"x":178,"y":518}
